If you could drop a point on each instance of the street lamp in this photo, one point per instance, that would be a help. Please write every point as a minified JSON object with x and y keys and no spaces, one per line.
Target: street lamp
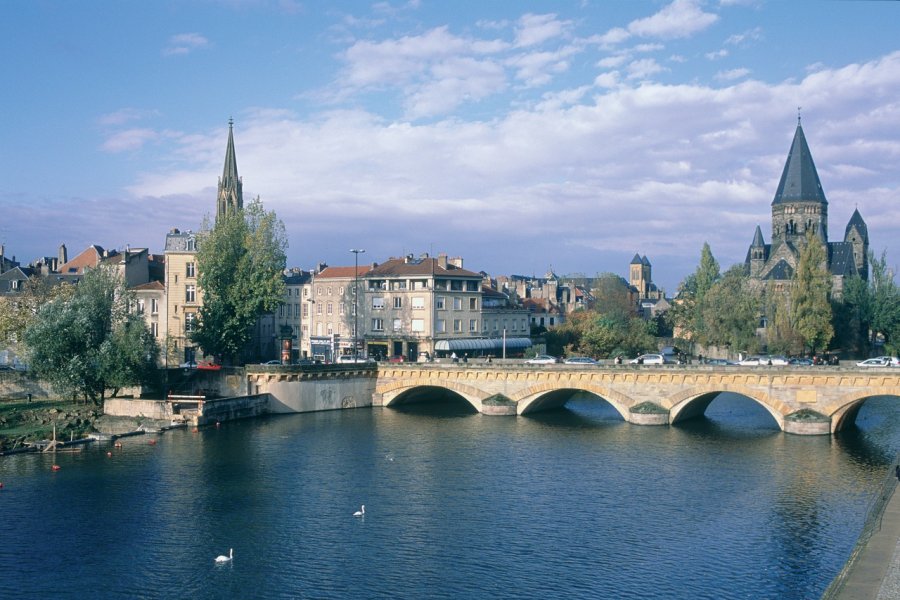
{"x":356,"y":252}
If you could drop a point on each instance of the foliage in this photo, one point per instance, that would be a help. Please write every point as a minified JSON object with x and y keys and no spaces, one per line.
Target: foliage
{"x":19,"y":311}
{"x":240,"y":263}
{"x":731,"y":312}
{"x":852,"y":317}
{"x":885,"y":298}
{"x":810,"y":304}
{"x":93,"y":341}
{"x":689,"y":311}
{"x":601,"y":334}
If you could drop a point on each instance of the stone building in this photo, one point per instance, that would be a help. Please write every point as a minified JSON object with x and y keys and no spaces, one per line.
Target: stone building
{"x":800,"y":207}
{"x":183,"y":297}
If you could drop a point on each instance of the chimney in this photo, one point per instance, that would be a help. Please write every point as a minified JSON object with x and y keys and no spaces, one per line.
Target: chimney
{"x":442,"y":260}
{"x":457,"y":261}
{"x":62,"y":255}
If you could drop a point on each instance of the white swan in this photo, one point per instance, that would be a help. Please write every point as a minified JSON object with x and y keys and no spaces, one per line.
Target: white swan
{"x":361,"y":512}
{"x":222,"y":559}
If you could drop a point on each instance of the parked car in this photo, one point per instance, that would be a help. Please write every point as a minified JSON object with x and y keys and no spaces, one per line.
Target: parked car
{"x":720,"y":362}
{"x":755,"y":361}
{"x":188,"y":365}
{"x":649,"y":359}
{"x":271,"y":363}
{"x":891,"y":361}
{"x":542,"y":359}
{"x":801,"y":362}
{"x":874,"y":362}
{"x":580,"y":360}
{"x":349,"y":358}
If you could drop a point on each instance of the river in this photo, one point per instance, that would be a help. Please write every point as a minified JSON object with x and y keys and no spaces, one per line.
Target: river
{"x":573,"y":503}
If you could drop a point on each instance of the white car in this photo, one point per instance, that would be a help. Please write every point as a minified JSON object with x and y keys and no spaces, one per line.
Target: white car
{"x":881,"y":361}
{"x":542,"y":359}
{"x":755,"y":361}
{"x":580,"y":360}
{"x":649,"y":359}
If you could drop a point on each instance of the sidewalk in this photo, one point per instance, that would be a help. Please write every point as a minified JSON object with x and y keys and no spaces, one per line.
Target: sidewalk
{"x":876,"y":573}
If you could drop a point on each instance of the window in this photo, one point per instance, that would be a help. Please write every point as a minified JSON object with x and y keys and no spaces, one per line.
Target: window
{"x":398,"y":324}
{"x":296,"y":310}
{"x":319,"y":329}
{"x":341,"y":309}
{"x":306,"y":310}
{"x":398,"y":302}
{"x":318,"y":291}
{"x":154,"y":306}
{"x":524,"y":324}
{"x":319,"y":308}
{"x":154,"y":329}
{"x":190,"y":270}
{"x":418,"y":325}
{"x":440,"y":326}
{"x":329,"y":309}
{"x":281,"y":311}
{"x":457,"y":325}
{"x":515,"y":325}
{"x":140,"y":306}
{"x":341,"y":290}
{"x":189,"y":322}
{"x":191,"y":245}
{"x":400,"y":285}
{"x":330,"y":329}
{"x":471,"y":286}
{"x":377,"y":303}
{"x":377,"y":324}
{"x":439,"y":302}
{"x":457,"y":304}
{"x":190,"y":294}
{"x":418,"y":302}
{"x":473,"y":325}
{"x":329,"y":290}
{"x":473,"y":303}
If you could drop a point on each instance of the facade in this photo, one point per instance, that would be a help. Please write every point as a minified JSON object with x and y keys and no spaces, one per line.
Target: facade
{"x":326,"y":309}
{"x":798,"y":208}
{"x":291,"y":312}
{"x":151,"y":304}
{"x":183,"y":297}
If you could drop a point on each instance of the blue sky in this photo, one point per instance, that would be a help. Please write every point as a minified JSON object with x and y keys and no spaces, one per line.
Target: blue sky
{"x":519,"y":135}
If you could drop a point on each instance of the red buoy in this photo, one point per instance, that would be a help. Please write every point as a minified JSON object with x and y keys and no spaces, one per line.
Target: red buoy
{"x":118,"y":444}
{"x":109,"y":453}
{"x":152,"y":442}
{"x":55,"y":467}
{"x":194,"y":430}
{"x":1,"y":485}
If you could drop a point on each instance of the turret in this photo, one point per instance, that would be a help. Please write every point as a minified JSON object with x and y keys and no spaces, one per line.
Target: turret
{"x":757,"y":253}
{"x":857,"y":234}
{"x":799,"y":204}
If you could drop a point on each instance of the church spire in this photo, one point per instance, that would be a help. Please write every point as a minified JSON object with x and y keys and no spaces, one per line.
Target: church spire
{"x":799,"y":180}
{"x":231,"y":196}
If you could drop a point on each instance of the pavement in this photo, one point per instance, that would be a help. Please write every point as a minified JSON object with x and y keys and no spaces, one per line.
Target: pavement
{"x":875,"y":575}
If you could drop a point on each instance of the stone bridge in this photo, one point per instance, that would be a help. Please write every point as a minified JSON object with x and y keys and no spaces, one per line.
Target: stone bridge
{"x":802,"y":400}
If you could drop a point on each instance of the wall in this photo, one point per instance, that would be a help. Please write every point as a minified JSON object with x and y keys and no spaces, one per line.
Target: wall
{"x":293,"y":390}
{"x":230,"y":409}
{"x":126,"y":407}
{"x":16,"y":384}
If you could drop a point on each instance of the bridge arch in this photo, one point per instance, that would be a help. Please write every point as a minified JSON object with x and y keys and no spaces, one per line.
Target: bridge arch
{"x":693,"y":402}
{"x":843,"y":411}
{"x":391,"y":393}
{"x":539,"y":396}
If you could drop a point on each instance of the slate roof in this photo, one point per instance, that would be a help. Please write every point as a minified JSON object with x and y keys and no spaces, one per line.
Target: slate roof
{"x":781,"y":271}
{"x":342,"y":272}
{"x":758,"y":240}
{"x":297,"y":278}
{"x":177,"y":241}
{"x":645,"y":261}
{"x":152,"y":286}
{"x":841,"y":260}
{"x":799,"y":180}
{"x":636,"y":260}
{"x":857,"y":221}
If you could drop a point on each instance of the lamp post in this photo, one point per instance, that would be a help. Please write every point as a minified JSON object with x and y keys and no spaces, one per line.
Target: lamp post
{"x":356,"y":252}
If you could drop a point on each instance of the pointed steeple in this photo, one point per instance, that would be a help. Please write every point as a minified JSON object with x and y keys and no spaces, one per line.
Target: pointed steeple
{"x":856,"y":221}
{"x":636,"y":260}
{"x":758,"y":241}
{"x":231,"y":196}
{"x":799,"y":180}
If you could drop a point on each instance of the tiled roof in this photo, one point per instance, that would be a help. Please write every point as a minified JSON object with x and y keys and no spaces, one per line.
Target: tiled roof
{"x":150,"y":286}
{"x":342,"y":272}
{"x":418,"y":266}
{"x":90,"y":257}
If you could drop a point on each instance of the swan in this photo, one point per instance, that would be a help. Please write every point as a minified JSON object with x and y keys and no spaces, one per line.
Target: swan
{"x":222,"y":559}
{"x":361,"y":512}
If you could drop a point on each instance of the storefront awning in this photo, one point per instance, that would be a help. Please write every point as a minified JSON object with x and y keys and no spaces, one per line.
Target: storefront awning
{"x":482,"y":344}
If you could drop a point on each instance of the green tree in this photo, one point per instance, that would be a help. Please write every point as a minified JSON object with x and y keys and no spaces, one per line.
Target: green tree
{"x":731,"y":312}
{"x":810,"y":290}
{"x":885,"y":304}
{"x":853,"y":317}
{"x":688,"y":312}
{"x":19,"y":311}
{"x":240,"y":262}
{"x":93,"y":341}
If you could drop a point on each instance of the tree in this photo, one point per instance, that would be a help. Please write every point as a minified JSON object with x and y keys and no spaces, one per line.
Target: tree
{"x":688,"y":312}
{"x":240,"y":263}
{"x":20,"y":310}
{"x":810,"y":289}
{"x":853,"y":317}
{"x":731,"y":311}
{"x":885,"y":304}
{"x":93,"y":341}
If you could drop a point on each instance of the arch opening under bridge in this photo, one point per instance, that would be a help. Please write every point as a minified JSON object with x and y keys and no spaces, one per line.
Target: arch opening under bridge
{"x":847,"y":409}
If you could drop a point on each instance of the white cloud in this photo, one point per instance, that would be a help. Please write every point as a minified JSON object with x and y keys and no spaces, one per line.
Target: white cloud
{"x":680,"y":19}
{"x":184,"y":43}
{"x":732,"y":74}
{"x":717,"y":54}
{"x":532,"y":30}
{"x":744,"y":38}
{"x":643,"y":68}
{"x":129,"y":139}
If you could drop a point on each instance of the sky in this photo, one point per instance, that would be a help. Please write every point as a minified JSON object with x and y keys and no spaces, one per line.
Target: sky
{"x":522,"y":136}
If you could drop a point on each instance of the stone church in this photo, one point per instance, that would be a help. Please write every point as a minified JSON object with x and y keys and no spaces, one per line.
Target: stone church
{"x":799,"y":207}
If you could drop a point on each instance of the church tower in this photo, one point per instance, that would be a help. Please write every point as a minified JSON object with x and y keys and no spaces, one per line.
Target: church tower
{"x":231,"y":196}
{"x":799,"y":204}
{"x":857,"y":235}
{"x":757,"y":253}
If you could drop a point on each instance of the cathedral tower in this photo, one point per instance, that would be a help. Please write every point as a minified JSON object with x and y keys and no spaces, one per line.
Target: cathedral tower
{"x":857,"y":235}
{"x":231,"y":196}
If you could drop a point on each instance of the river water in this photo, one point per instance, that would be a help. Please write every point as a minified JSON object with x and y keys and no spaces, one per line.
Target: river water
{"x":573,"y":503}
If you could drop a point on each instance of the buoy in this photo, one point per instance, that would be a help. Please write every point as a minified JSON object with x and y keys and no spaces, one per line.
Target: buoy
{"x":55,"y":467}
{"x":109,"y":453}
{"x":152,"y":442}
{"x":118,"y":444}
{"x":218,"y":424}
{"x":1,"y":485}
{"x":194,"y":430}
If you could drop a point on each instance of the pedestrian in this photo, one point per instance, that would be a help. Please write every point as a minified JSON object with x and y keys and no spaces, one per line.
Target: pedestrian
{"x":466,"y":357}
{"x":454,"y":358}
{"x":490,"y":360}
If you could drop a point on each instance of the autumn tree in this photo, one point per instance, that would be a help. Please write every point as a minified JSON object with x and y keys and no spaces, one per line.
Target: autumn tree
{"x":19,"y":311}
{"x":240,"y":261}
{"x":688,"y":312}
{"x":810,"y":290}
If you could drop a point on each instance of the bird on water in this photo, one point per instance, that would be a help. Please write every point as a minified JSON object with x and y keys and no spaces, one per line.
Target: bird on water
{"x":222,"y":559}
{"x":361,"y":512}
